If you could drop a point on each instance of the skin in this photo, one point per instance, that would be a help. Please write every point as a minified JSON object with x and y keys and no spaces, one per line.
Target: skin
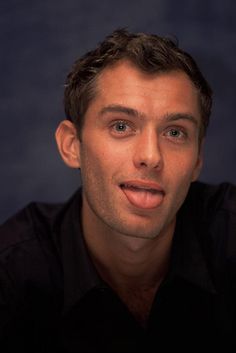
{"x":139,"y":127}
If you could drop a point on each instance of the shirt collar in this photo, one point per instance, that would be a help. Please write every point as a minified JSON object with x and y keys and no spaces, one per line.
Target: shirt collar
{"x":80,"y":275}
{"x":188,"y":260}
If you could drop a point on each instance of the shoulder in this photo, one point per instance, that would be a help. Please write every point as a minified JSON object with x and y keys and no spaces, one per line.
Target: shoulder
{"x":27,"y":247}
{"x":209,"y":200}
{"x":214,"y":219}
{"x":31,"y":278}
{"x":31,"y":224}
{"x":213,"y":207}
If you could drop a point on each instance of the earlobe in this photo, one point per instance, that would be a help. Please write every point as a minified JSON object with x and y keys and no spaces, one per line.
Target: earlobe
{"x":68,"y":143}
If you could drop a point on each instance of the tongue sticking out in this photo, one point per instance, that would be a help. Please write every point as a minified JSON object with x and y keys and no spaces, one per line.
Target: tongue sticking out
{"x":143,"y":198}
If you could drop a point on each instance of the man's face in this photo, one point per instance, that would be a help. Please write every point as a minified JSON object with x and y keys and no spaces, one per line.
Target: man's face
{"x":139,"y":150}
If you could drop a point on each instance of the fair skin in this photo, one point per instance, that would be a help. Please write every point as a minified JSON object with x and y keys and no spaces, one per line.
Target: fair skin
{"x":138,"y":154}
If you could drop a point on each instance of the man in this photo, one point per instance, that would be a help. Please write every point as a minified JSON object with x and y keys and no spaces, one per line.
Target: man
{"x":142,"y":258}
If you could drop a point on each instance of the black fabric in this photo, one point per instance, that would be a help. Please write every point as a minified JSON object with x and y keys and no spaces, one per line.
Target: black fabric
{"x":52,"y":299}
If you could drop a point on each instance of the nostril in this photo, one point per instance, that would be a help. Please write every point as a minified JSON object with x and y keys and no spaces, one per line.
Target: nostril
{"x":150,"y":164}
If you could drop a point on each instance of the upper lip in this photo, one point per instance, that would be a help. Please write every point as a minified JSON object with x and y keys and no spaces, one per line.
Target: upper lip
{"x":143,"y":184}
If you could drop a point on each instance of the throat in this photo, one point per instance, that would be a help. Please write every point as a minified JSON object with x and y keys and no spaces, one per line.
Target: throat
{"x":139,"y":303}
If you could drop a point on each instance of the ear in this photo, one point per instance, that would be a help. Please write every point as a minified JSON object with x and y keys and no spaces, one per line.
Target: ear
{"x":68,"y":143}
{"x":199,"y":163}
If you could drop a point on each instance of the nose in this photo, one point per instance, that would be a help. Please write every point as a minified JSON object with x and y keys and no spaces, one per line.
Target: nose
{"x":148,"y":153}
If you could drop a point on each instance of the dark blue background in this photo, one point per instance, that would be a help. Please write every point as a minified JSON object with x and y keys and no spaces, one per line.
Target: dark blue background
{"x":39,"y":42}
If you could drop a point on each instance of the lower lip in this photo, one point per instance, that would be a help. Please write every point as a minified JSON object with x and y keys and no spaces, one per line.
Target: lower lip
{"x":142,"y":198}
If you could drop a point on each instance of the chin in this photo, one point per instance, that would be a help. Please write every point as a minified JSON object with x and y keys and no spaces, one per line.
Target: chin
{"x":140,"y":232}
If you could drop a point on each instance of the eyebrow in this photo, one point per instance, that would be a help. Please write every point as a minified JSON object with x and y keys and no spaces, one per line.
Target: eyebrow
{"x":116,"y":108}
{"x":169,"y":117}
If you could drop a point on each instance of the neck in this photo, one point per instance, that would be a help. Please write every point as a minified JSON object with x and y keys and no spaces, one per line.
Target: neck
{"x":133,"y":267}
{"x":129,"y":262}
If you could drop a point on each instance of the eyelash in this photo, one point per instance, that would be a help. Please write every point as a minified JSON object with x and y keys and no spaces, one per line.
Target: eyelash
{"x":183,"y":133}
{"x":121,"y":122}
{"x":128,"y":125}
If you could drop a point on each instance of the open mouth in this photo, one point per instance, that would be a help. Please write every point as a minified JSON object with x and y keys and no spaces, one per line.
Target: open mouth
{"x":139,"y":188}
{"x":142,"y":194}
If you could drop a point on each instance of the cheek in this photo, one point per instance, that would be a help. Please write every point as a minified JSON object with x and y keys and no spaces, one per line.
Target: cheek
{"x":97,"y":164}
{"x":90,"y":163}
{"x":183,"y":166}
{"x":106,"y":156}
{"x":180,"y":176}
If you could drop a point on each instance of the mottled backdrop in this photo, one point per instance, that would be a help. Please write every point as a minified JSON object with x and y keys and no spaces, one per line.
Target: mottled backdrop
{"x":39,"y":42}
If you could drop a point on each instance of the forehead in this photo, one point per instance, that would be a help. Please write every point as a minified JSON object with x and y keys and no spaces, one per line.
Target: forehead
{"x":124,"y":83}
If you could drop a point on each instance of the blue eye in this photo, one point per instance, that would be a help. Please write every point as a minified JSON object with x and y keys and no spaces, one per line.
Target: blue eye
{"x":176,"y":133}
{"x":120,"y":126}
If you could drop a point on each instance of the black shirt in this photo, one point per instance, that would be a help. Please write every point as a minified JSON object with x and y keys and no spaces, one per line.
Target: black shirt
{"x":52,"y":299}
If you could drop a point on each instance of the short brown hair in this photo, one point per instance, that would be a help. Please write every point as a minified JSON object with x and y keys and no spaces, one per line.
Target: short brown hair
{"x":150,"y":53}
